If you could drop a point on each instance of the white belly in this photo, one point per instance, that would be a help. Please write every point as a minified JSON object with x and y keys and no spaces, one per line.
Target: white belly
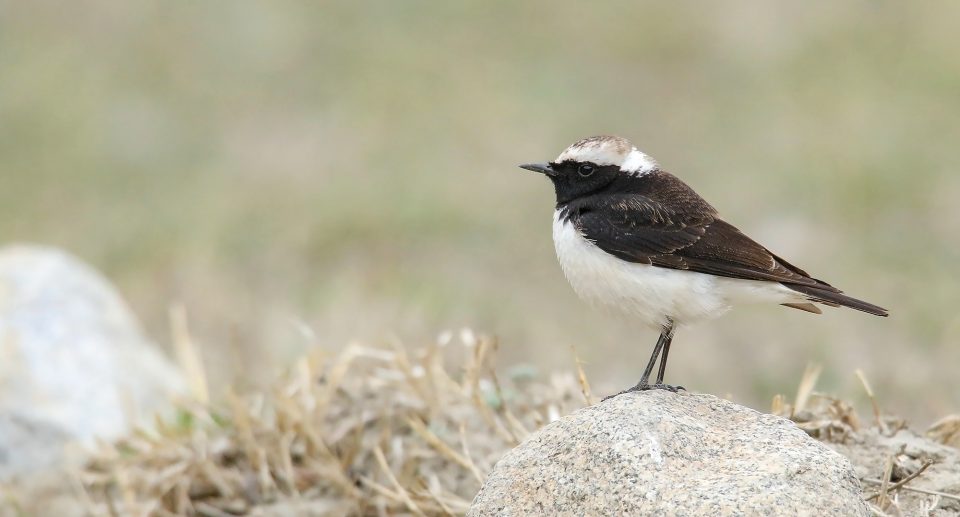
{"x":654,"y":294}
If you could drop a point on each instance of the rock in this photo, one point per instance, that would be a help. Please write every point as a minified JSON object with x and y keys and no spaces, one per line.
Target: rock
{"x":27,"y":442}
{"x":74,"y":365}
{"x":662,"y":453}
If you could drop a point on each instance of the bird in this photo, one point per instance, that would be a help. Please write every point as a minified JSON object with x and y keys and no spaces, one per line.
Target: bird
{"x":635,"y":238}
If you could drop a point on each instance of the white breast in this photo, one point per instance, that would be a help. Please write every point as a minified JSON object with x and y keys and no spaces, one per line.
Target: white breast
{"x":653,"y":294}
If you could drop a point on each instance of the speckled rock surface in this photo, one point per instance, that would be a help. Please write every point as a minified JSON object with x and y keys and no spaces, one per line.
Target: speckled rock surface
{"x":661,"y":453}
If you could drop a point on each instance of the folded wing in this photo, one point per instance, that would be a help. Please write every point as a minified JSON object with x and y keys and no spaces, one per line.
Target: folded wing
{"x":638,"y":228}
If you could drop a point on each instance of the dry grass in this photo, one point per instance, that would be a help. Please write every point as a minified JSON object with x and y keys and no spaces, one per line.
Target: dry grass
{"x":386,"y":431}
{"x":367,"y":432}
{"x":903,"y":473}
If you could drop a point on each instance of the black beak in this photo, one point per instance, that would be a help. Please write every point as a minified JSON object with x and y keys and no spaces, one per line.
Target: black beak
{"x":543,"y":168}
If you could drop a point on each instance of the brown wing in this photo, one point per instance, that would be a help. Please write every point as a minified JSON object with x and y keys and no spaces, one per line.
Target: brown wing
{"x":636,"y":228}
{"x":661,"y":221}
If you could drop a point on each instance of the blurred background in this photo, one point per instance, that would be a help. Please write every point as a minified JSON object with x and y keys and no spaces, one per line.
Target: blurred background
{"x":307,"y":174}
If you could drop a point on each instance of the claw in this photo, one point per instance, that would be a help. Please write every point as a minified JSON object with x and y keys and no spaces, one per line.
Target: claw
{"x":645,"y":387}
{"x":669,"y":387}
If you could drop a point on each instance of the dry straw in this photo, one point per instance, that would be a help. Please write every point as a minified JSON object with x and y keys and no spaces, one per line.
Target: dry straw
{"x":367,"y":431}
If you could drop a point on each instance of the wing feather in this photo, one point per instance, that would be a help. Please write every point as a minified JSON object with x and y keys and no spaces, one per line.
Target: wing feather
{"x":637,"y":228}
{"x":659,"y":220}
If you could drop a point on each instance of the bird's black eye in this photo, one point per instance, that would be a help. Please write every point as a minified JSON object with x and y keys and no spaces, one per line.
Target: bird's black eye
{"x":585,"y":170}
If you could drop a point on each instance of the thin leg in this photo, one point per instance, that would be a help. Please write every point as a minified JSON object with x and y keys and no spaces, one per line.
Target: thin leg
{"x":662,"y":347}
{"x":663,"y":361}
{"x":645,"y":379}
{"x":663,"y":357}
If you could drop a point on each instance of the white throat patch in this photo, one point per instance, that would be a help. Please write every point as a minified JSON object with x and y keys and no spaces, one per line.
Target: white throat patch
{"x":609,"y":150}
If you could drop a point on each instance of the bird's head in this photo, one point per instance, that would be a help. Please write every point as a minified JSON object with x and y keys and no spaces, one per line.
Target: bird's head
{"x":591,"y":164}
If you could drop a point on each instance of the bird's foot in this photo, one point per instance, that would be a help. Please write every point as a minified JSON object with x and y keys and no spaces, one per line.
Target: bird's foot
{"x":669,"y":387}
{"x":644,"y":387}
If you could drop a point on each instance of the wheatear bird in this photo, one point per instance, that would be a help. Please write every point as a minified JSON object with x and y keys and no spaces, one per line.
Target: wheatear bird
{"x":632,"y":236}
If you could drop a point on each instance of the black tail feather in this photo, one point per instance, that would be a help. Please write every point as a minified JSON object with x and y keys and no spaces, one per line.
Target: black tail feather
{"x":834,"y":298}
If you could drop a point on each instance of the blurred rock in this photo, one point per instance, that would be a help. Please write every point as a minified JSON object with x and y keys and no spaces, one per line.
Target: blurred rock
{"x":661,"y":453}
{"x":74,"y":365}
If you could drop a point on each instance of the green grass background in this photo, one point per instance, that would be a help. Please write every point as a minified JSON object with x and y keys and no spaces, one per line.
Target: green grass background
{"x":351,"y":167}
